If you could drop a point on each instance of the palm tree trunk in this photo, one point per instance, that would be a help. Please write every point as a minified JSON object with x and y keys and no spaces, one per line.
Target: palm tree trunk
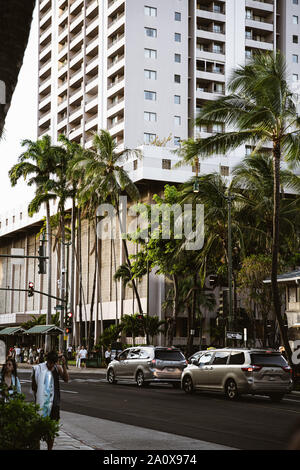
{"x":72,"y":274}
{"x":172,"y":320}
{"x":275,"y":248}
{"x":127,"y":258}
{"x":62,"y":279}
{"x":79,"y":261}
{"x":49,"y":277}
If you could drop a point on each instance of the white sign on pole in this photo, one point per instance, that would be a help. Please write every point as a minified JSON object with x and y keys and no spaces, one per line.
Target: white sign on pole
{"x":18,"y":252}
{"x":245,"y":334}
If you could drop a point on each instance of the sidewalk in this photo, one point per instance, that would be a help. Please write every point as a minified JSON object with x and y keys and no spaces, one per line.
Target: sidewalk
{"x":89,"y":370}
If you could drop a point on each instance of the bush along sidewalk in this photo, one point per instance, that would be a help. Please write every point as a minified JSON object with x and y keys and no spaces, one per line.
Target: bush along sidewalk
{"x":21,"y":426}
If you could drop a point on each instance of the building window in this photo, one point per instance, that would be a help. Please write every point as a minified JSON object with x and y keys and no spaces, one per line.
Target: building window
{"x":150,"y":95}
{"x":177,"y":78}
{"x":217,"y":128}
{"x":177,"y":37}
{"x":177,"y":58}
{"x":150,"y":11}
{"x":177,"y":16}
{"x":224,"y":170}
{"x":151,"y":32}
{"x":150,"y":74}
{"x":295,"y":58}
{"x":13,"y":219}
{"x":295,"y":39}
{"x":295,"y":77}
{"x":135,"y":164}
{"x":150,"y":117}
{"x":177,"y":99}
{"x":177,"y":141}
{"x":149,"y":138}
{"x":295,"y":2}
{"x":21,"y":215}
{"x":166,"y":164}
{"x":150,"y":54}
{"x":177,"y":120}
{"x":295,"y":19}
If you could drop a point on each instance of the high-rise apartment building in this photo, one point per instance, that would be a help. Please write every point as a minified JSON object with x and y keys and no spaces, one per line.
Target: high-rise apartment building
{"x":143,"y":68}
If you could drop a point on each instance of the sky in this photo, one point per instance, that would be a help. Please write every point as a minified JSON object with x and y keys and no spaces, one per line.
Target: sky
{"x":21,"y":123}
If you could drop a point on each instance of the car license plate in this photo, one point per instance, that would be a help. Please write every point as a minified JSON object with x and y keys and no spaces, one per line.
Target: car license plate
{"x":271,"y":377}
{"x":170,"y":369}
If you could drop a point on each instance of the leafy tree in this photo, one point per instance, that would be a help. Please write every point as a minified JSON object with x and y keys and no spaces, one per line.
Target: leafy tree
{"x":262,"y":109}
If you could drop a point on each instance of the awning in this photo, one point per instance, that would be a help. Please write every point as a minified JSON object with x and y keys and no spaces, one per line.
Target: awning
{"x":45,"y":329}
{"x":12,"y":330}
{"x":287,"y":277}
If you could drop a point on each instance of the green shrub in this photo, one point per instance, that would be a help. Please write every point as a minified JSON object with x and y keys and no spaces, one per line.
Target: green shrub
{"x":21,"y":426}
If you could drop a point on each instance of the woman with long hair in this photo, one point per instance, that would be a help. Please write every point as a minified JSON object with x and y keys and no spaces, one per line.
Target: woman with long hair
{"x":9,"y":381}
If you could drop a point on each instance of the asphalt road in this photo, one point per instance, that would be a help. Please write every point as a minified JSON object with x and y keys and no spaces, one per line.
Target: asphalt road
{"x":252,"y":423}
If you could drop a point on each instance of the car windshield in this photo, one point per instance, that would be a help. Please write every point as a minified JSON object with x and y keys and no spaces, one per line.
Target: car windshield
{"x":268,"y":360}
{"x":169,"y":355}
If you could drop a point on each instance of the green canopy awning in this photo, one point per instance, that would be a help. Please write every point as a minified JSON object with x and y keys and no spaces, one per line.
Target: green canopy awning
{"x":45,"y":329}
{"x":12,"y":330}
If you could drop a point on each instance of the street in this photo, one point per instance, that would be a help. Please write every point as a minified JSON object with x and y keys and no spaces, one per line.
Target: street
{"x":252,"y":423}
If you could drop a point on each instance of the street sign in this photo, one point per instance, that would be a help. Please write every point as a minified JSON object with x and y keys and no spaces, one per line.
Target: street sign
{"x":231,"y":335}
{"x":58,"y":307}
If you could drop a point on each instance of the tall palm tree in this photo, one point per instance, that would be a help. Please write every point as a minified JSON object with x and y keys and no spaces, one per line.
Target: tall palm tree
{"x":253,"y":180}
{"x":262,"y":109}
{"x":106,"y":179}
{"x":37,"y":165}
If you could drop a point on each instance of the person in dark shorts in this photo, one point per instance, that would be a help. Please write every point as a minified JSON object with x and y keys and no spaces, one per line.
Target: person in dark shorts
{"x":41,"y":387}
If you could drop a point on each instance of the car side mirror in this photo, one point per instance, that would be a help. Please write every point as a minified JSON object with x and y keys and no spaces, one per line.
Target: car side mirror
{"x":195,"y":362}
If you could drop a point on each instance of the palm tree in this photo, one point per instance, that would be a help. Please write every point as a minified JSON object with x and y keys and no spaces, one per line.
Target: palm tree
{"x":262,"y":109}
{"x":253,"y":180}
{"x":105,"y":179}
{"x":37,"y":165}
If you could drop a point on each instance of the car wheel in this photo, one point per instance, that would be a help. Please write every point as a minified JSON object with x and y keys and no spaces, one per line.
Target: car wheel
{"x":231,"y":390}
{"x":187,"y":384}
{"x":111,"y":377}
{"x":276,"y":397}
{"x":140,"y":379}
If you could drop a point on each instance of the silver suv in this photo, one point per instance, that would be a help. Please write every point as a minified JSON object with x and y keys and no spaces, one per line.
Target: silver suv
{"x":147,"y":364}
{"x":238,"y":371}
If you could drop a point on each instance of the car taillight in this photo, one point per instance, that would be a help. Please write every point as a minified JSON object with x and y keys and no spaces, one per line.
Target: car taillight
{"x":153,"y":362}
{"x":251,"y":369}
{"x":287,"y":369}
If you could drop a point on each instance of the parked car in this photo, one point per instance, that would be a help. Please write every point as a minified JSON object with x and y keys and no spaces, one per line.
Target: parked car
{"x":147,"y":364}
{"x":239,"y":371}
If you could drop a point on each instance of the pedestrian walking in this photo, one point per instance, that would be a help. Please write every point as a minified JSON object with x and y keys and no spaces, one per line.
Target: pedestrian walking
{"x":108,"y":356}
{"x":46,"y":388}
{"x":17,"y":353}
{"x":78,"y":357}
{"x":83,"y":356}
{"x":30,"y":356}
{"x":9,"y":381}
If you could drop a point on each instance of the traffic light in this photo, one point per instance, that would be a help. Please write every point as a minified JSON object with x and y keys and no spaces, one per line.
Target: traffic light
{"x":68,"y":330}
{"x":213,"y":280}
{"x":42,"y":261}
{"x":30,"y":289}
{"x":69,"y":320}
{"x":223,"y":302}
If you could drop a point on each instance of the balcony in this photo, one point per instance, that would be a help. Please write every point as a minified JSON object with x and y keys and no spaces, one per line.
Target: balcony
{"x":269,"y":46}
{"x":116,"y":86}
{"x":266,"y":6}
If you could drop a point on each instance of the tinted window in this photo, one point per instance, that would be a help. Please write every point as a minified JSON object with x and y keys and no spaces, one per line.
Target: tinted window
{"x":205,"y":359}
{"x":237,"y":358}
{"x":169,"y":355}
{"x":268,"y":360}
{"x":220,"y":358}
